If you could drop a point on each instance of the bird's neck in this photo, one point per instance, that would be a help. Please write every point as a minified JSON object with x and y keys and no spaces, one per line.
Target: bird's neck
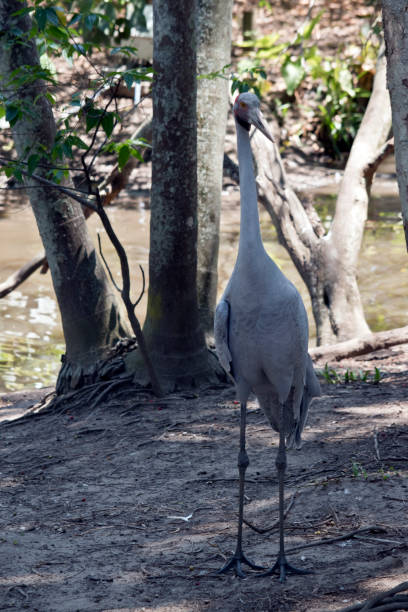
{"x":250,"y":239}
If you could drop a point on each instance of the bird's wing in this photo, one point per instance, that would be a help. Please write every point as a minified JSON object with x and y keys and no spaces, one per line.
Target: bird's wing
{"x":221,"y":324}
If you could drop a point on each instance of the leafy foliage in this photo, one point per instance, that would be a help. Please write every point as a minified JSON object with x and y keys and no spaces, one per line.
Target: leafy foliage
{"x":342,"y":84}
{"x":71,"y":29}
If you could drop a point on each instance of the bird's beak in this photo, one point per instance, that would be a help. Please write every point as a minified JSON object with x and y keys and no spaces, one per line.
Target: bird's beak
{"x":259,"y":122}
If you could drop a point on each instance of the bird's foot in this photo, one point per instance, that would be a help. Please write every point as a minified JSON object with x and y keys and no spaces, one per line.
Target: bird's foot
{"x":236,"y":562}
{"x":283,"y":568}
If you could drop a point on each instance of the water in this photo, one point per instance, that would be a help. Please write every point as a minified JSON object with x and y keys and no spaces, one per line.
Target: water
{"x":31,"y":340}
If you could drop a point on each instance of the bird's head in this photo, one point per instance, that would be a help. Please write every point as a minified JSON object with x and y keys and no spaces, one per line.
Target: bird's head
{"x":247,"y":112}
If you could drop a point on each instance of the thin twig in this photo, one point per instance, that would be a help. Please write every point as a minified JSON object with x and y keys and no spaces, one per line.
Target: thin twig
{"x":376,"y":446}
{"x":106,"y":263}
{"x":334,"y":513}
{"x":67,"y":190}
{"x":382,"y":540}
{"x":143,"y":287}
{"x":346,"y":536}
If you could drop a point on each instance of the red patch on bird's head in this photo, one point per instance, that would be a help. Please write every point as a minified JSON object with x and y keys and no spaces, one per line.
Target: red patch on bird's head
{"x":236,"y":104}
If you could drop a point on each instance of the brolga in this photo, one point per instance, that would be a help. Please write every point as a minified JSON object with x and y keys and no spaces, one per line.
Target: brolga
{"x":261,"y":337}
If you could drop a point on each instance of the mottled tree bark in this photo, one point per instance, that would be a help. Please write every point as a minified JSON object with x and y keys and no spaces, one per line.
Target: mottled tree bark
{"x":395,"y":22}
{"x":213,"y":53}
{"x":172,"y":330}
{"x":89,"y":308}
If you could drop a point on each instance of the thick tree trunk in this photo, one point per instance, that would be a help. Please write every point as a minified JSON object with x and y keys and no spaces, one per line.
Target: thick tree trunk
{"x":172,"y":330}
{"x":89,"y":309}
{"x":395,"y":23}
{"x":328,"y":263}
{"x":213,"y":53}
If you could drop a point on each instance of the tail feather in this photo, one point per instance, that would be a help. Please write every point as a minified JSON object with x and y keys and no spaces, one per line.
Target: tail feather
{"x":311,"y":390}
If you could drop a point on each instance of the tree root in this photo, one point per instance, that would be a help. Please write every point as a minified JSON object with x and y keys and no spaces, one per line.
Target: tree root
{"x":386,"y":601}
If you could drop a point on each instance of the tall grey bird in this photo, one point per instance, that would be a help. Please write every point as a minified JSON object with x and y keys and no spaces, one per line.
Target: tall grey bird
{"x":261,"y":336}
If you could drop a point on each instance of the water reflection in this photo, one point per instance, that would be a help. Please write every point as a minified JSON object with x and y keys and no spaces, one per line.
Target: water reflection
{"x":31,"y":340}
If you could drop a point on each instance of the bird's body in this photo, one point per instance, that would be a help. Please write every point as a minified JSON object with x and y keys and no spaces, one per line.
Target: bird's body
{"x":267,"y":339}
{"x":261,"y":328}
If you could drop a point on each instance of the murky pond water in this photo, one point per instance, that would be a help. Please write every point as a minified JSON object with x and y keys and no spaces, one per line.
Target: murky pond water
{"x":31,"y":340}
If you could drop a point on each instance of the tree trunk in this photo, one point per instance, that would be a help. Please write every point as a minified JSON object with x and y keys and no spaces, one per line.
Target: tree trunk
{"x":395,"y":23}
{"x":89,"y":310}
{"x":328,"y":263}
{"x":175,"y":340}
{"x":213,"y":53}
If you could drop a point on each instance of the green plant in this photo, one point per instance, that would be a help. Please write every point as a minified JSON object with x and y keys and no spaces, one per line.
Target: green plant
{"x":70,"y":30}
{"x":330,"y":375}
{"x":251,"y":77}
{"x":293,"y":56}
{"x":386,"y":474}
{"x":341,"y":103}
{"x":341,"y":84}
{"x":333,"y":377}
{"x":358,"y":470}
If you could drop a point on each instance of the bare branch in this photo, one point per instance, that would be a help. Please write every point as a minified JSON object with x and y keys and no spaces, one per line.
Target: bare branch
{"x":66,"y":190}
{"x":21,"y":275}
{"x":143,"y":287}
{"x":106,"y":263}
{"x":340,"y":538}
{"x":360,"y":346}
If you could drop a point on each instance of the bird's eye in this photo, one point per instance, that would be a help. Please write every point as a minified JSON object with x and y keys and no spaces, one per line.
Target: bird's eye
{"x":243,"y":105}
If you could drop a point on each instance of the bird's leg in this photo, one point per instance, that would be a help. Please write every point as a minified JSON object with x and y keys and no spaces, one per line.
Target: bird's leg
{"x":238,"y":557}
{"x":282,"y":567}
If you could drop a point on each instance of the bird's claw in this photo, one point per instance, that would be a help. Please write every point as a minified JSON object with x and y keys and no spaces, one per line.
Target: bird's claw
{"x":236,"y":562}
{"x":283,"y":568}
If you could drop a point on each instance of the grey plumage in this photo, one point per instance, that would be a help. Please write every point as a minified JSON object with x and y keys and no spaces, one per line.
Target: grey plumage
{"x":261,"y":327}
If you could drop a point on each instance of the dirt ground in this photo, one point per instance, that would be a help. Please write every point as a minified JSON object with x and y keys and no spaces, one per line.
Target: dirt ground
{"x":129,"y":503}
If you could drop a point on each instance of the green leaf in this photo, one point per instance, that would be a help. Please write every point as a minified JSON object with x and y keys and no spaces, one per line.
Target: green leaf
{"x":124,"y":154}
{"x":40,"y":16}
{"x":107,"y":122}
{"x":13,"y":114}
{"x":58,"y":33}
{"x":93,"y":116}
{"x":307,"y":30}
{"x":293,"y":73}
{"x":272,"y":52}
{"x":50,"y":98}
{"x":51,"y":15}
{"x":75,"y":141}
{"x":345,"y":80}
{"x":128,"y":78}
{"x":32,"y":162}
{"x":125,"y":49}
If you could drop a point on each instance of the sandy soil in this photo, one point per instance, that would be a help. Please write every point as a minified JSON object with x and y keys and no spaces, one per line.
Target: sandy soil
{"x":129,"y":503}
